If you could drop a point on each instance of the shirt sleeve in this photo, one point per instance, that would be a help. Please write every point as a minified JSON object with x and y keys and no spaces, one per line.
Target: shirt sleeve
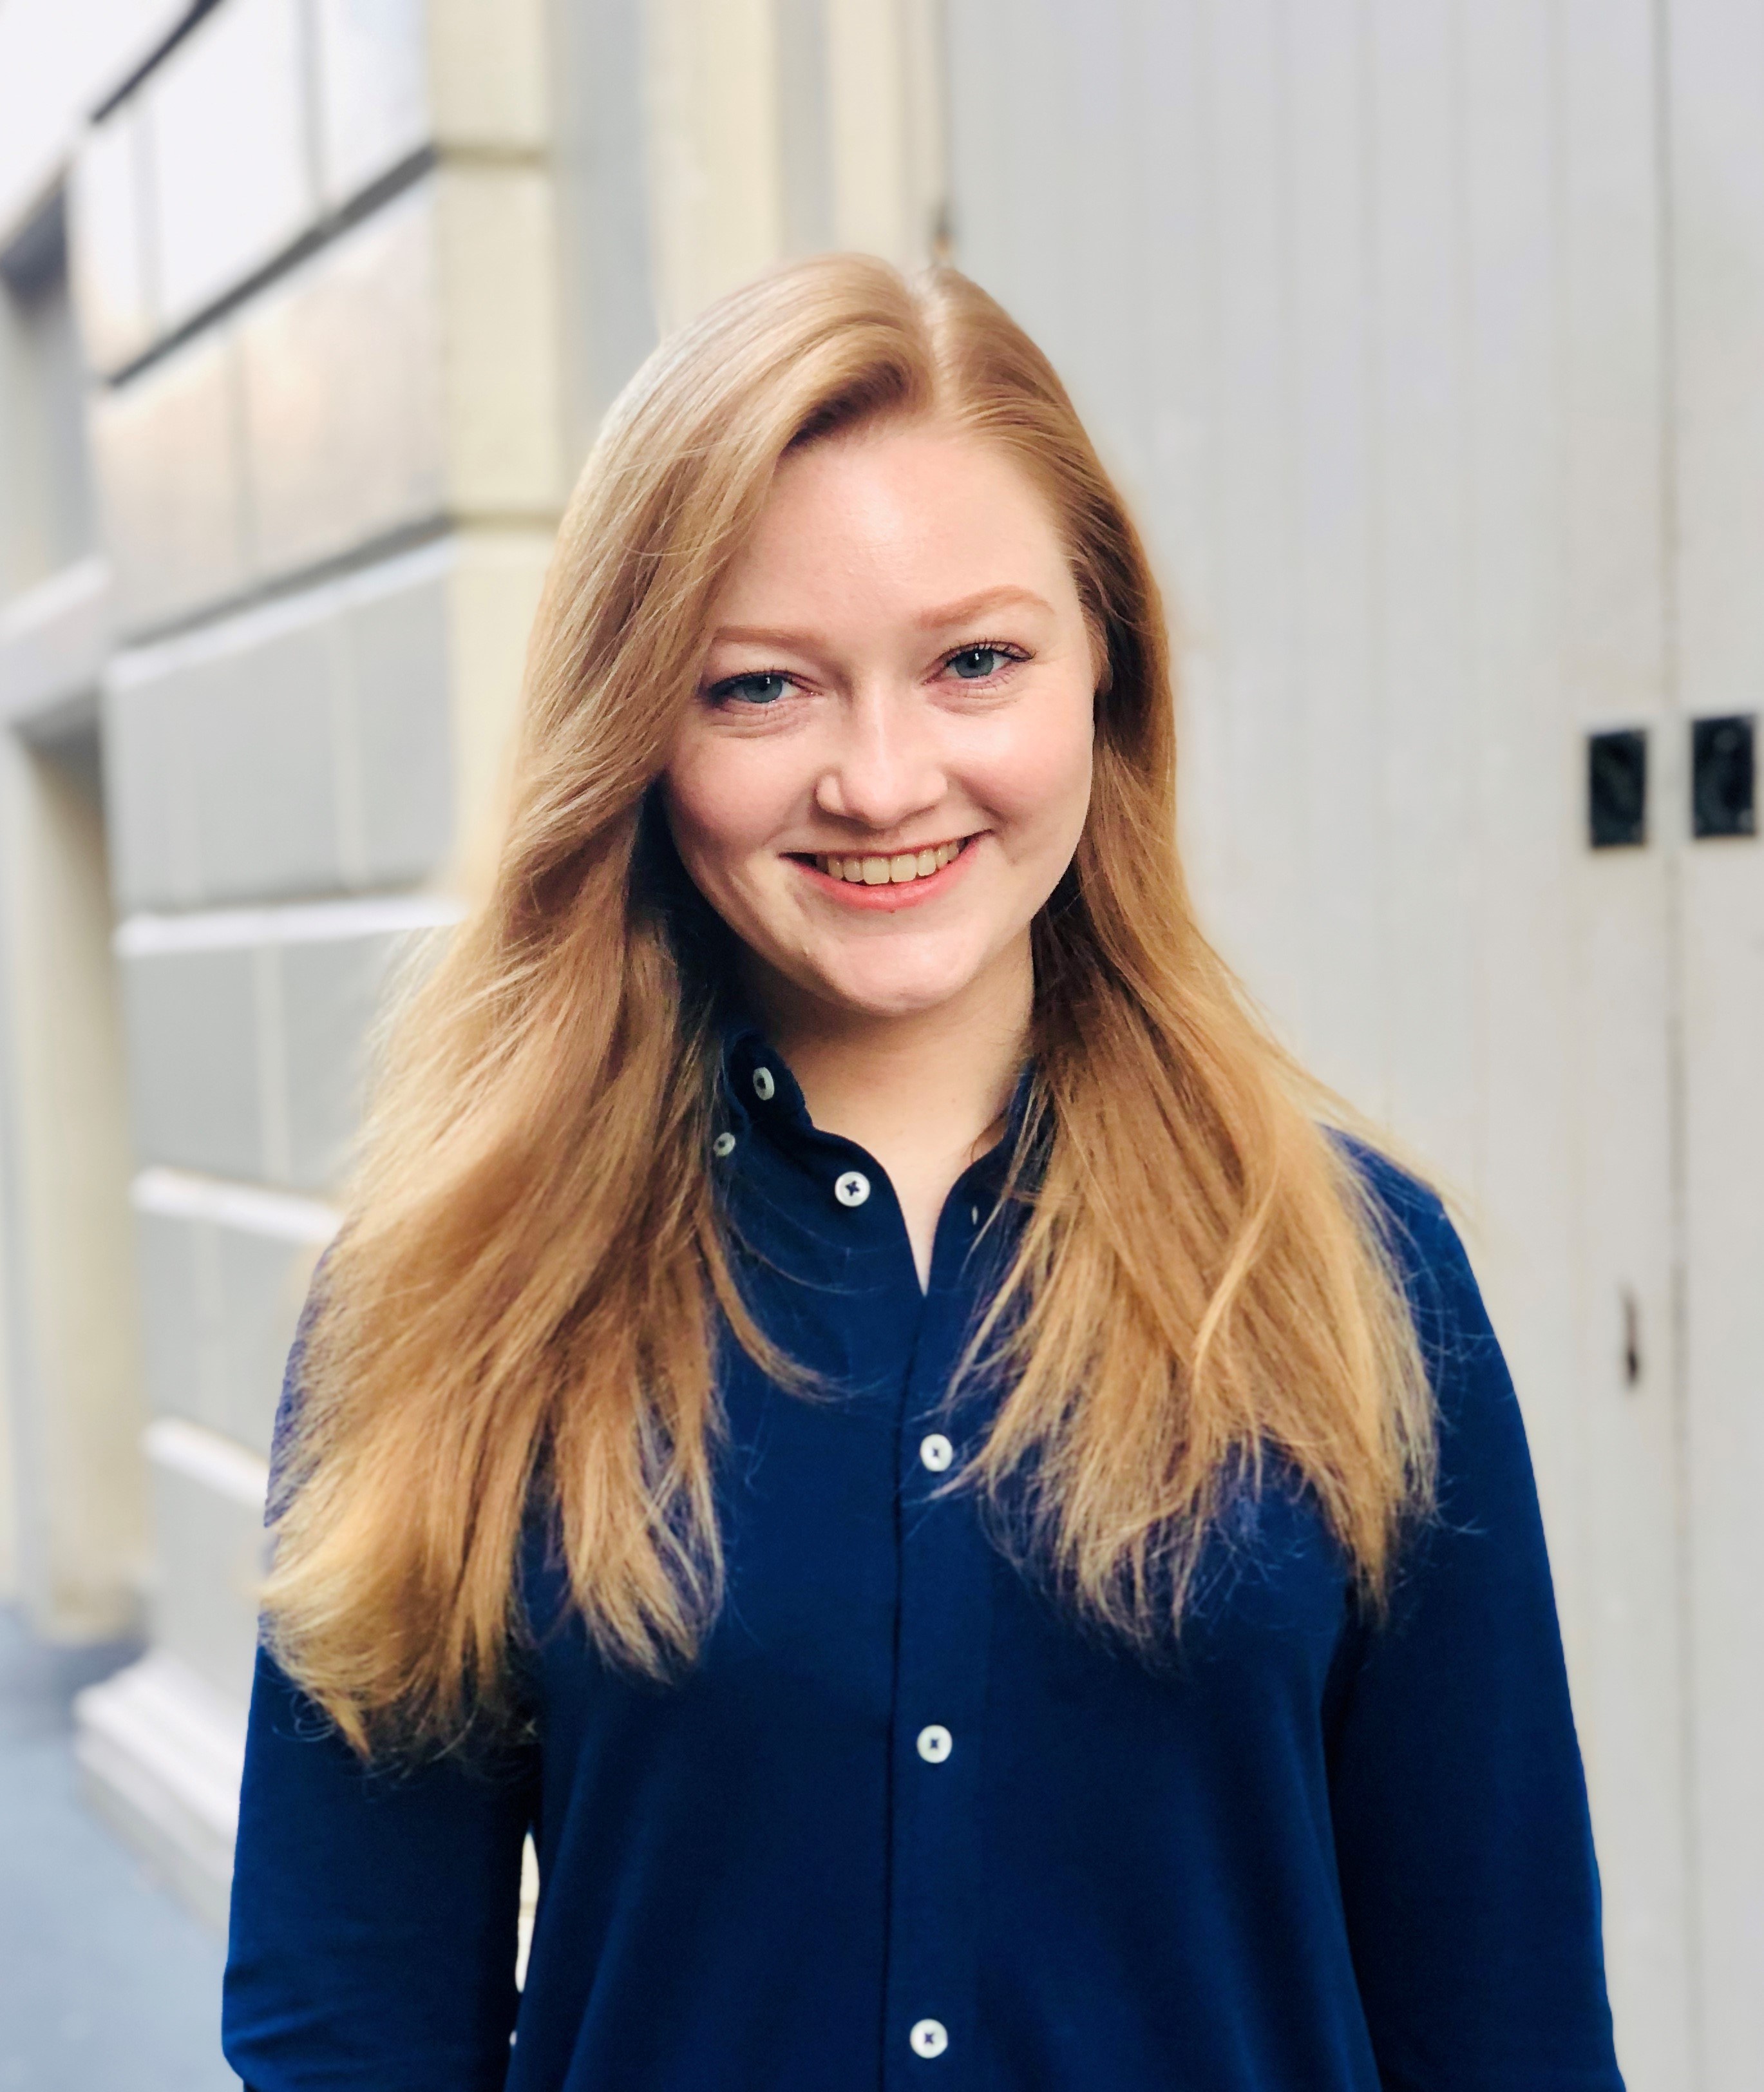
{"x":1462,"y":1837}
{"x":372,"y":1942}
{"x":374,"y":1910}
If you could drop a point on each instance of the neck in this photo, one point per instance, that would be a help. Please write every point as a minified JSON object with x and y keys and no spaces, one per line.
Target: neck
{"x":925,"y":1093}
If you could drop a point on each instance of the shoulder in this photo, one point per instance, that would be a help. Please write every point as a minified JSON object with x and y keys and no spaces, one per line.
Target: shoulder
{"x":1417,"y":1229}
{"x":285,"y":1432}
{"x":1427,"y":1252}
{"x":1485,"y":1482}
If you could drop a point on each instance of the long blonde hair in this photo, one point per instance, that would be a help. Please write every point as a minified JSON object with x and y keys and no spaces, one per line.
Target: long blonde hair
{"x":531,"y":1287}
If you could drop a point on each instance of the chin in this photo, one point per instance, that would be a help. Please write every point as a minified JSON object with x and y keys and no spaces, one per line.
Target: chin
{"x":883,"y":1005}
{"x":885,"y":991}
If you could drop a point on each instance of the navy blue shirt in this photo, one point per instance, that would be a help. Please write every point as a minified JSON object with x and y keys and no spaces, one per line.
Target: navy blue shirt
{"x":905,"y":1825}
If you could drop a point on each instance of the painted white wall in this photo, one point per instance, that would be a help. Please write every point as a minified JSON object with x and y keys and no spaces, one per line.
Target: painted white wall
{"x":1425,"y":335}
{"x":1714,"y":54}
{"x":783,"y":127}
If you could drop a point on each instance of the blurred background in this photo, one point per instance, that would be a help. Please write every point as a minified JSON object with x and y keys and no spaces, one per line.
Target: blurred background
{"x":1428,"y":336}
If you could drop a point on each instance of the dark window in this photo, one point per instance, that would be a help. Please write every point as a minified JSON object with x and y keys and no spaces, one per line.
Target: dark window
{"x":1723,"y":777}
{"x":1617,"y":789}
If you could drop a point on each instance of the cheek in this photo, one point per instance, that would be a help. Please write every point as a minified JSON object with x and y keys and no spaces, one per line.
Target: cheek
{"x":1038,"y":779}
{"x":724,"y":800}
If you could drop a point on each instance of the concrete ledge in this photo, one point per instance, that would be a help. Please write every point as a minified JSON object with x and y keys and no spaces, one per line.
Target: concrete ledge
{"x":54,"y":642}
{"x":160,"y":1755}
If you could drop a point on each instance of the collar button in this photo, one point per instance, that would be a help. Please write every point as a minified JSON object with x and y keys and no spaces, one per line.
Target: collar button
{"x":852,"y":1189}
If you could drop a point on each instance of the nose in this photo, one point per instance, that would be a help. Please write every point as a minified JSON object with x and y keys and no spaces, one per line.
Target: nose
{"x":886,"y":766}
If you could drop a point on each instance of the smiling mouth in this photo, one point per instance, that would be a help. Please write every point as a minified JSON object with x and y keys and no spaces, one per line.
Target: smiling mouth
{"x":899,"y":868}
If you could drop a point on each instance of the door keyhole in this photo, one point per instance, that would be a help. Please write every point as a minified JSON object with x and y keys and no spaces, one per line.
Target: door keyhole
{"x":1631,"y":1339}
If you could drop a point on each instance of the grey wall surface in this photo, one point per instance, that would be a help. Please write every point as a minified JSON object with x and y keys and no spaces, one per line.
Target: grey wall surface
{"x":307,"y":347}
{"x":304,"y":750}
{"x":247,"y":1058}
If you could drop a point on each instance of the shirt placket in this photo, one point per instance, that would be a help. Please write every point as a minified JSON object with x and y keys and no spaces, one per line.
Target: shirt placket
{"x":944,"y":1569}
{"x":944,"y":1632}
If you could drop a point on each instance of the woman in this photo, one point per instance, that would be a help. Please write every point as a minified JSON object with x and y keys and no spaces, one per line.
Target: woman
{"x":855,"y":1400}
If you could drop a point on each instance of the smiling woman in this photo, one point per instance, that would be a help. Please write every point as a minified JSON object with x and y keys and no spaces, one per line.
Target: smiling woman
{"x":858,"y":1399}
{"x":882,"y":782}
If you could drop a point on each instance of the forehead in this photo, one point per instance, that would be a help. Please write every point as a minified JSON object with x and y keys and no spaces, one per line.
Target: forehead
{"x":911,"y":510}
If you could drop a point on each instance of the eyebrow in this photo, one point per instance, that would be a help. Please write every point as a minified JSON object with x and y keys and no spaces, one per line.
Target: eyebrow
{"x":939,"y":619}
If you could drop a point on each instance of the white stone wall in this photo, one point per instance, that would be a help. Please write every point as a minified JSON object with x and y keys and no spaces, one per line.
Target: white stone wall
{"x":329,"y":458}
{"x":313,"y":262}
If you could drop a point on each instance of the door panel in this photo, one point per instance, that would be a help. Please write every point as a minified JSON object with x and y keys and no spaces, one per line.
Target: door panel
{"x":1363,"y":303}
{"x":1713,"y":71}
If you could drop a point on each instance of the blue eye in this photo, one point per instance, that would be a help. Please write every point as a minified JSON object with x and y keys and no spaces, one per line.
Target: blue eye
{"x":762,"y":687}
{"x":974,"y":664}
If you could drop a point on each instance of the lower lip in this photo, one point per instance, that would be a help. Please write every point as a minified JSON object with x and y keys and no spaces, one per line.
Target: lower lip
{"x":890,"y":899}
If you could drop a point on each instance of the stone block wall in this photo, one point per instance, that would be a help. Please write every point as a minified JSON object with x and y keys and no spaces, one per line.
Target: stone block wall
{"x":313,"y":257}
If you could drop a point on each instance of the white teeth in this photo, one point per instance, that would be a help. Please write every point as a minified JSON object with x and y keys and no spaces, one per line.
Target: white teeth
{"x":894,"y":870}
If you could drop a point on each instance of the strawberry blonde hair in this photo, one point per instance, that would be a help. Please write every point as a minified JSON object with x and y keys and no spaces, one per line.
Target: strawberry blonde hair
{"x":532,"y":1284}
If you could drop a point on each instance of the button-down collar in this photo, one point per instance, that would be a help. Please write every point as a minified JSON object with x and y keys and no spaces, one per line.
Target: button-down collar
{"x":757,"y":1091}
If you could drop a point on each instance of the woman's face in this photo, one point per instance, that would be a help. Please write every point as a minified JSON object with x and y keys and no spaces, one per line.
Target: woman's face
{"x":888,"y":764}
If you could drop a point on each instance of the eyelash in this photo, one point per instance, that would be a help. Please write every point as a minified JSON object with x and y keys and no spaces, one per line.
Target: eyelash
{"x":722,"y":693}
{"x":1010,"y":652}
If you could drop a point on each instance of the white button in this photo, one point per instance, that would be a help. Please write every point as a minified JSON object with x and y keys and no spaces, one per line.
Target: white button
{"x":928,"y":2037}
{"x":935,"y":1451}
{"x":852,"y":1189}
{"x":724,"y":1144}
{"x":764,"y":1087}
{"x":935,"y":1744}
